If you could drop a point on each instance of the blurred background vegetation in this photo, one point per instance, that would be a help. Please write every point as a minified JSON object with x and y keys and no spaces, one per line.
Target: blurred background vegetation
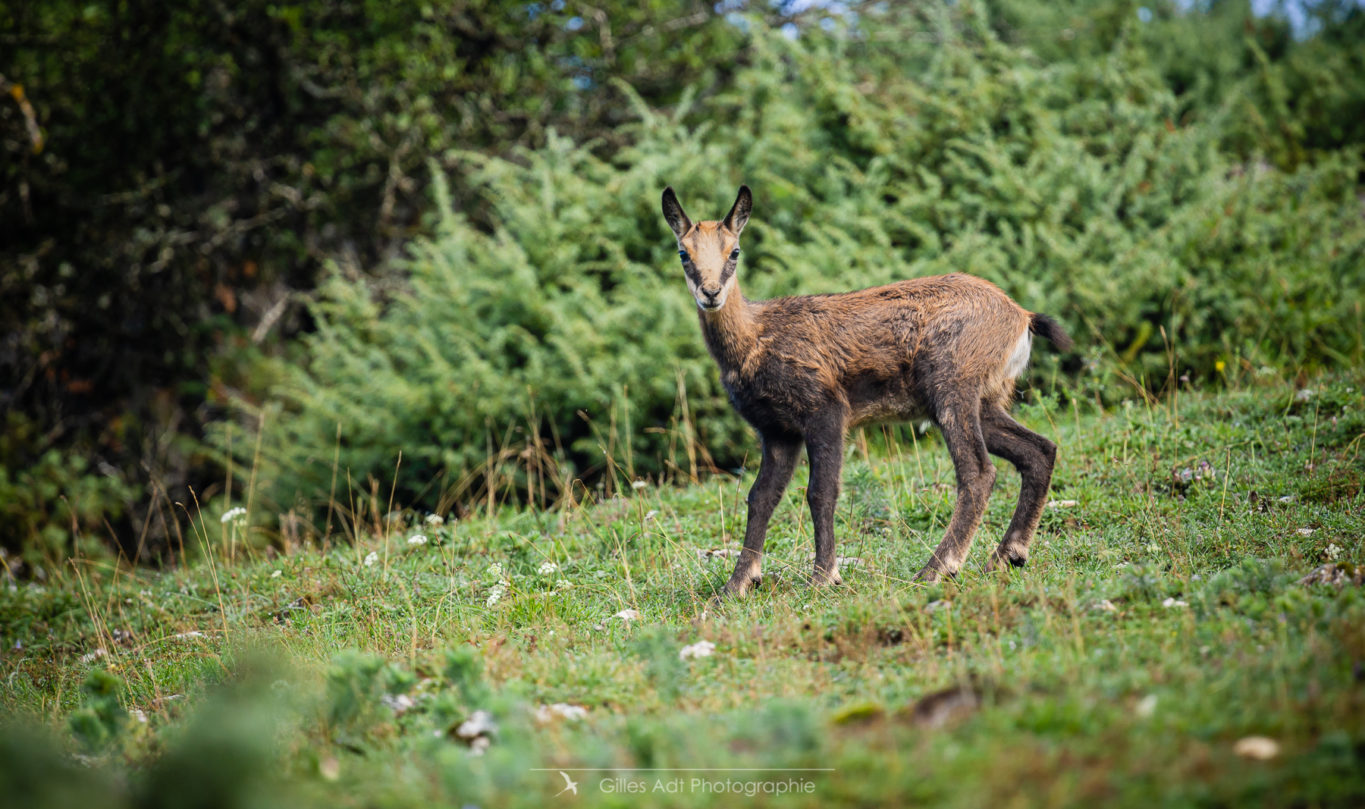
{"x":260,"y":248}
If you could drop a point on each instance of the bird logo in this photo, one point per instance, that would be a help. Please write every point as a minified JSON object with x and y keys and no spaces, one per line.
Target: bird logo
{"x":570,"y":785}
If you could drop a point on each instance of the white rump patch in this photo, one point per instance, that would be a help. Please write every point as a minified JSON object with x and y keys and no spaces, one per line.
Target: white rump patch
{"x":1018,"y":360}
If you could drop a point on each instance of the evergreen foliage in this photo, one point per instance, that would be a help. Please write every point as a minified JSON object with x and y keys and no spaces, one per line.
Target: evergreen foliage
{"x":545,"y":319}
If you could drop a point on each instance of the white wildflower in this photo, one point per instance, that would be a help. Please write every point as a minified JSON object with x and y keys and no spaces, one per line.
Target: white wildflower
{"x":138,"y":714}
{"x":638,"y":485}
{"x":702,"y":648}
{"x":435,"y":520}
{"x":495,"y":571}
{"x":651,"y":514}
{"x":561,"y":585}
{"x":417,"y":539}
{"x":1145,"y":706}
{"x":93,"y":656}
{"x":628,"y":615}
{"x":1306,"y":532}
{"x":371,"y":558}
{"x":189,"y":635}
{"x":560,"y":710}
{"x":1063,"y":503}
{"x":1333,"y":551}
{"x":1105,"y":605}
{"x":1170,"y":603}
{"x":495,"y":594}
{"x":233,"y":515}
{"x":548,"y":568}
{"x":276,"y":574}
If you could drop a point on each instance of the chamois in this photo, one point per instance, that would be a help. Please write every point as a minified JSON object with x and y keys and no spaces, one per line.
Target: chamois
{"x":807,"y":368}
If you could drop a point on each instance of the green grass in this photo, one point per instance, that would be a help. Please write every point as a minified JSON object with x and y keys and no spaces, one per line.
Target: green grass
{"x":1160,"y":621}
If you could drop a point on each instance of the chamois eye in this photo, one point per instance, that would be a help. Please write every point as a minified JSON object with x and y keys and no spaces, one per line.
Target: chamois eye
{"x":734,"y":254}
{"x":682,"y":254}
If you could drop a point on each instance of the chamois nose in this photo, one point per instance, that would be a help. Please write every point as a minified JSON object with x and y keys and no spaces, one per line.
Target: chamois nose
{"x":710,"y":293}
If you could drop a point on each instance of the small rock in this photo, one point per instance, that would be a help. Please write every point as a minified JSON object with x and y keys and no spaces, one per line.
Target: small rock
{"x":1260,"y":748}
{"x":702,"y":648}
{"x":546,"y":714}
{"x":329,"y":768}
{"x":1062,"y":503}
{"x":1171,"y":603}
{"x":942,"y":707}
{"x":398,"y":703}
{"x":628,"y":615}
{"x":1146,"y":706}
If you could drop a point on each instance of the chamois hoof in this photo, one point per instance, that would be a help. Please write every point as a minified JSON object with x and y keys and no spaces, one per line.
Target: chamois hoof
{"x":823,"y":580}
{"x":738,"y":587}
{"x":933,"y":575}
{"x":1000,"y":558}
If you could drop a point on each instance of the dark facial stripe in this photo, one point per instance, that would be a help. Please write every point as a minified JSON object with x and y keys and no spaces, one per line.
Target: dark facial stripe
{"x":727,"y":272}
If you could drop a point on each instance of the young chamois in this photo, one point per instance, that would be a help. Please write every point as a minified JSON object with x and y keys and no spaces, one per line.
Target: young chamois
{"x":805,"y":369}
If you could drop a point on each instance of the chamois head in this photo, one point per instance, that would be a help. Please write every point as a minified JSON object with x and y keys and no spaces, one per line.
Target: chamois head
{"x":709,"y":250}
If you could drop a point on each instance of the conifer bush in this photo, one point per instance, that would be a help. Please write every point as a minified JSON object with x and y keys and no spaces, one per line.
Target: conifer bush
{"x":544,"y":332}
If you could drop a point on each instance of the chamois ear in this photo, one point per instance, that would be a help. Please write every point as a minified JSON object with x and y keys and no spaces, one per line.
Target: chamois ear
{"x":673,"y":214}
{"x":739,"y":214}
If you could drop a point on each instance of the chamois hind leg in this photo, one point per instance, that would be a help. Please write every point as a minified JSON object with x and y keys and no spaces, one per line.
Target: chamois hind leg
{"x":1034,"y":457}
{"x":774,"y":473}
{"x":825,"y":448}
{"x":960,"y":423}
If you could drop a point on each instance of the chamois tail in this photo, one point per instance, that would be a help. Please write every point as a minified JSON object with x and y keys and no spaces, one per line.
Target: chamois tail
{"x":1051,"y":330}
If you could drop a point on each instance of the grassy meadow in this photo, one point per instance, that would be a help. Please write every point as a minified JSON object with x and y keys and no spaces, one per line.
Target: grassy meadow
{"x":1174,"y":640}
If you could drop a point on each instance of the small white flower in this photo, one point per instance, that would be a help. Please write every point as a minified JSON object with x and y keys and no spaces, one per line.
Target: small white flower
{"x":93,"y":656}
{"x":628,"y":615}
{"x":1333,"y":551}
{"x":1152,"y":547}
{"x":371,"y":558}
{"x":651,"y":514}
{"x":1306,"y":532}
{"x":562,"y":584}
{"x":417,"y":539}
{"x":548,"y":568}
{"x":638,"y":485}
{"x":702,"y":648}
{"x":1171,"y":603}
{"x":1146,"y":706}
{"x":232,"y":515}
{"x":1062,"y":503}
{"x":276,"y":574}
{"x":189,"y":635}
{"x":435,"y":520}
{"x":495,"y":595}
{"x":138,"y":714}
{"x":1105,"y":605}
{"x":495,"y":571}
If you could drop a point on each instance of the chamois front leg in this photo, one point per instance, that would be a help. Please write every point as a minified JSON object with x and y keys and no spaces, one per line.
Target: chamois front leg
{"x":774,"y":473}
{"x":825,"y":447}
